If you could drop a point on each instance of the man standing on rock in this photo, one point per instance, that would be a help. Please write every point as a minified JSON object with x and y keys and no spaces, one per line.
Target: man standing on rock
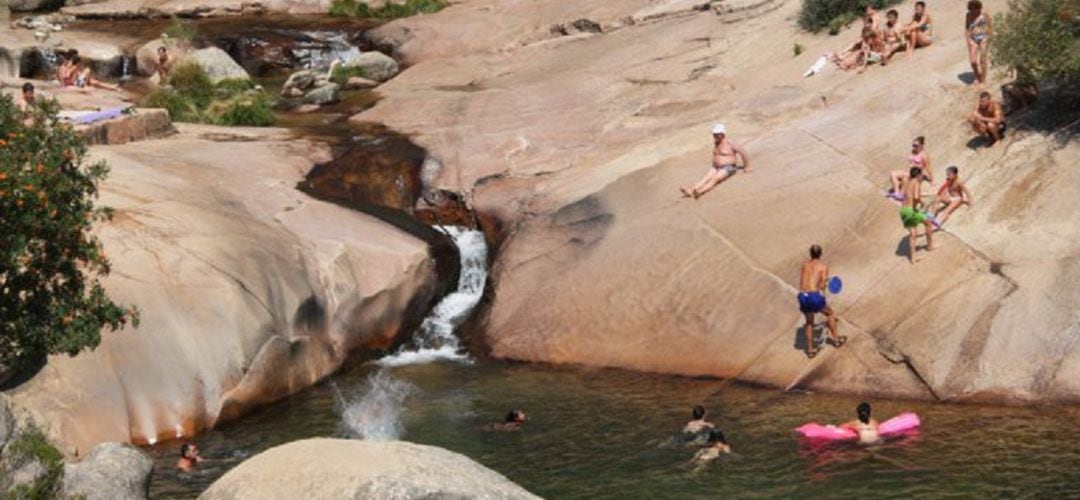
{"x":724,"y":163}
{"x":813,"y":280}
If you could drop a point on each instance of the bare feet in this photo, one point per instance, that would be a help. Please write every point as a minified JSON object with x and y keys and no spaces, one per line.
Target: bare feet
{"x":687,"y":192}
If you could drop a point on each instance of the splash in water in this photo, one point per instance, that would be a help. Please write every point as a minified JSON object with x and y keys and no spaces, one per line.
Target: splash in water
{"x":435,"y":340}
{"x":376,"y":415}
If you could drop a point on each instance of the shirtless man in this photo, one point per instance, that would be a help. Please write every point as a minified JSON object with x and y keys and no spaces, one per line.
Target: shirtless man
{"x":813,"y":279}
{"x":988,"y":119}
{"x":723,"y":165}
{"x":164,"y":64}
{"x":890,"y":33}
{"x":911,"y":217}
{"x":189,"y":457}
{"x":952,"y":194}
{"x":25,"y":102}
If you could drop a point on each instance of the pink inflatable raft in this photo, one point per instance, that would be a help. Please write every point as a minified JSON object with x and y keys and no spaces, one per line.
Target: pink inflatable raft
{"x":900,"y":424}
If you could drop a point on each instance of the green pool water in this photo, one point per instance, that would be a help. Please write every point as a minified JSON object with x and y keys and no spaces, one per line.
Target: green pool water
{"x":610,"y":434}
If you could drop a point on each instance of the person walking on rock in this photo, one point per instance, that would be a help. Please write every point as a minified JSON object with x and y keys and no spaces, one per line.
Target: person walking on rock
{"x":912,"y":217}
{"x":813,"y":280}
{"x":724,"y":165}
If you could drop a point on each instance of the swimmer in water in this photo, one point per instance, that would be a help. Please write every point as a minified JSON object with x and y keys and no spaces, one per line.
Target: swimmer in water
{"x":189,"y":457}
{"x":864,"y":426}
{"x":514,"y":420}
{"x":716,"y":446}
{"x":698,"y":422}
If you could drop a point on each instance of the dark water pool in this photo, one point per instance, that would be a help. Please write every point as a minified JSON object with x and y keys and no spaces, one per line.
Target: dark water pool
{"x":609,"y":434}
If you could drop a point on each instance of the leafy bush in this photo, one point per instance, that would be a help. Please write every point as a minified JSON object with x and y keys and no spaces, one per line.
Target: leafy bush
{"x":342,"y":74}
{"x":192,"y":97}
{"x":353,"y":8}
{"x":32,"y":445}
{"x":1040,"y":40}
{"x":254,"y":110}
{"x":834,"y":14}
{"x":51,"y":299}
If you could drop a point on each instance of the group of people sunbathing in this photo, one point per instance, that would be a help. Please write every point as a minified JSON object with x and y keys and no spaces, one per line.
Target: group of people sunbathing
{"x":879,"y":41}
{"x":71,"y":73}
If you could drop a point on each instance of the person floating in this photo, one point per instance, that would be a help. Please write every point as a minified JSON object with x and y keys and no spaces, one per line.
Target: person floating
{"x":912,"y":217}
{"x":697,"y":424}
{"x":952,"y":194}
{"x":189,"y":457}
{"x":515,"y":420}
{"x":716,"y":445}
{"x":920,"y":31}
{"x":864,"y":426}
{"x":724,"y":164}
{"x":978,"y":31}
{"x":988,"y":119}
{"x":813,"y":280}
{"x":919,"y":159}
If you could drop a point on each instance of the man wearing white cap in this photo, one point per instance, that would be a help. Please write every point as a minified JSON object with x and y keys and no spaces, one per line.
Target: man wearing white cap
{"x":723,"y":166}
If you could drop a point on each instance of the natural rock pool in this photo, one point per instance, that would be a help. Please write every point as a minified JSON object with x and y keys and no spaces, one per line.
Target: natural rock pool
{"x":609,"y":434}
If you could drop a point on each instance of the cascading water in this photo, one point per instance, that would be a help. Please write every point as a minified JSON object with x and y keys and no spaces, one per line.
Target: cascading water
{"x":321,"y":48}
{"x":376,"y":415}
{"x":435,"y":340}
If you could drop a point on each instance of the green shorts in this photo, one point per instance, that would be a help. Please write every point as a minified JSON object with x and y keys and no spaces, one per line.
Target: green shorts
{"x":911,"y":218}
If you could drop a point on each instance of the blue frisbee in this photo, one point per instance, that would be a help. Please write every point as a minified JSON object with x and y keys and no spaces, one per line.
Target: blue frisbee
{"x":835,"y":285}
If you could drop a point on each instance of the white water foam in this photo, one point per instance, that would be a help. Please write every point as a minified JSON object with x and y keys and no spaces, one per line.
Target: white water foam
{"x":435,"y":340}
{"x":376,"y":415}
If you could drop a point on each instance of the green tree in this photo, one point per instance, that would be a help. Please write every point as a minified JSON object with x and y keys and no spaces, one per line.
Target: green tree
{"x":51,"y":298}
{"x":1040,"y":40}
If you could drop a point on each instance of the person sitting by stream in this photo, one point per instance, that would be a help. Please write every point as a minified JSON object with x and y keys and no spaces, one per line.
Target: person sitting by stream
{"x":697,"y":424}
{"x":164,"y":65}
{"x":724,"y":164}
{"x":864,"y":426}
{"x":813,"y":280}
{"x":988,"y":119}
{"x":515,"y":420}
{"x":70,"y":73}
{"x":952,"y":194}
{"x":189,"y":457}
{"x":716,"y":445}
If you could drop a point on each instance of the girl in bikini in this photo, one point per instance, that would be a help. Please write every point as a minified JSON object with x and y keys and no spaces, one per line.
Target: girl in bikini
{"x":919,"y":32}
{"x":978,"y":31}
{"x":919,"y":159}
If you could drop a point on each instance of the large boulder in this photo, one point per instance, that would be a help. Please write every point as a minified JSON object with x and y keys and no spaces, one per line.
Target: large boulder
{"x":339,"y":468}
{"x":326,"y":94}
{"x":600,"y":261}
{"x":375,"y":65}
{"x":217,"y":64}
{"x":112,"y":471}
{"x":248,"y":289}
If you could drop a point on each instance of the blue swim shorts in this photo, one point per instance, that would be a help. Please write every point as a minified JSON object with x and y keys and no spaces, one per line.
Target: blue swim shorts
{"x":811,"y":302}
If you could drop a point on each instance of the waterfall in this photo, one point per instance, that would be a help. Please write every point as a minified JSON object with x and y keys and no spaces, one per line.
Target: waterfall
{"x":376,"y":414}
{"x":319,"y":49}
{"x":125,"y":67}
{"x":435,"y":340}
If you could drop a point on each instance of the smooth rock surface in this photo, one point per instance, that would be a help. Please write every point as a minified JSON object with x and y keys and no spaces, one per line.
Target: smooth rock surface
{"x":248,"y":289}
{"x":340,"y":468}
{"x":217,"y":64}
{"x":376,"y":65}
{"x":112,"y":471}
{"x":574,"y":170}
{"x":326,"y":94}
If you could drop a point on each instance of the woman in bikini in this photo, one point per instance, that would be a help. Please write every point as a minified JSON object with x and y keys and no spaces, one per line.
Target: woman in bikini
{"x":919,"y":159}
{"x":71,"y":74}
{"x":891,"y":36}
{"x":920,"y":31}
{"x":978,"y":32}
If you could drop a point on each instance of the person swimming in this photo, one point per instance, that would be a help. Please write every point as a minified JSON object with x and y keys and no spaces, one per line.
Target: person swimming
{"x":189,"y":457}
{"x":864,"y":426}
{"x":515,"y":420}
{"x":716,"y":446}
